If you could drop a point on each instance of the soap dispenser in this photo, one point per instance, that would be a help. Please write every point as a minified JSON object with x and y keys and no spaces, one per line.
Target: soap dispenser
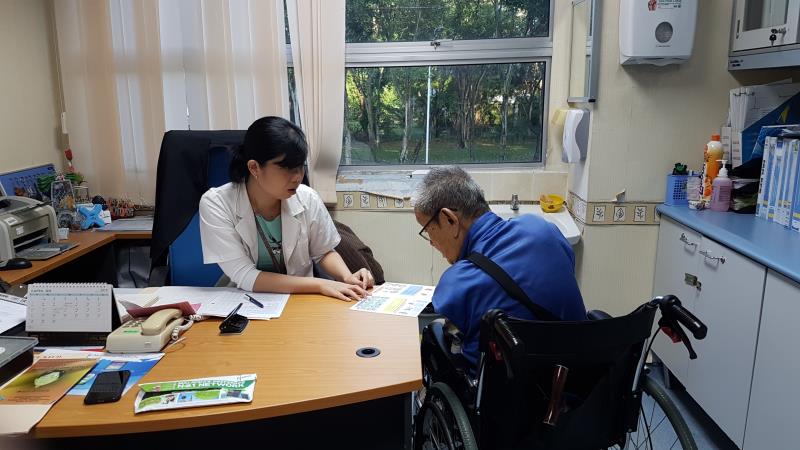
{"x":721,"y":191}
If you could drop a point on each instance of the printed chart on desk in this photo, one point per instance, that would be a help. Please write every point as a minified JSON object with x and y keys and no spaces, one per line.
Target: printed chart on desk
{"x":397,"y":298}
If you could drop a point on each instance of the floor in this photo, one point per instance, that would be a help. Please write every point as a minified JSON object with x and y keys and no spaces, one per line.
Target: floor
{"x":707,"y":434}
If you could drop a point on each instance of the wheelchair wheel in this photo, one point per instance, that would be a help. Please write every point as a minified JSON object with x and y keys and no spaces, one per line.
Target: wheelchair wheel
{"x":442,"y":423}
{"x":661,"y":425}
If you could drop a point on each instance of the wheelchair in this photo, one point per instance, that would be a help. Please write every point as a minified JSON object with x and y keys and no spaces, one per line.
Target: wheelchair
{"x":554,"y":385}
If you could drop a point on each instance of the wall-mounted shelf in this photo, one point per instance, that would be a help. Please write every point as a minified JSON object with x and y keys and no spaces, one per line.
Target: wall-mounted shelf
{"x":783,"y":57}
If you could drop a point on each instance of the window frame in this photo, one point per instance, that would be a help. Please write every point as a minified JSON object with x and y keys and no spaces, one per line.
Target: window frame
{"x":448,"y":52}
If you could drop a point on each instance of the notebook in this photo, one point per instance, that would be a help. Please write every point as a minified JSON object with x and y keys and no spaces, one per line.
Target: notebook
{"x":71,"y":313}
{"x":12,"y":313}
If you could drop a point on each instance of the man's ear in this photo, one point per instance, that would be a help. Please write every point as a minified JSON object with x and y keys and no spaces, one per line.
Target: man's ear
{"x":450,"y":216}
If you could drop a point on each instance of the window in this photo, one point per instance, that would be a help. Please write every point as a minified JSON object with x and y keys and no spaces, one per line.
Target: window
{"x":446,"y":81}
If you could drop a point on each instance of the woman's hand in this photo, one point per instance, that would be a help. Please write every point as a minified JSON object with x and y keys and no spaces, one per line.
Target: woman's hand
{"x":342,"y":291}
{"x":362,"y":278}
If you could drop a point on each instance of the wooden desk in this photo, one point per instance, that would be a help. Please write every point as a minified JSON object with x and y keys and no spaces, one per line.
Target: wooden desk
{"x":305,"y":361}
{"x":88,"y":241}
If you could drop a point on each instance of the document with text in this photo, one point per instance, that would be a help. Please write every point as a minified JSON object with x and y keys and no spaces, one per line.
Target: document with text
{"x":397,"y":299}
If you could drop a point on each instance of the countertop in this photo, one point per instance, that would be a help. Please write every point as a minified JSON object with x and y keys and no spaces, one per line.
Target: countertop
{"x":767,"y":243}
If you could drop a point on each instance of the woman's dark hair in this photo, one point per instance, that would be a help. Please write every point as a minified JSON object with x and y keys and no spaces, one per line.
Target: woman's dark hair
{"x":269,"y":138}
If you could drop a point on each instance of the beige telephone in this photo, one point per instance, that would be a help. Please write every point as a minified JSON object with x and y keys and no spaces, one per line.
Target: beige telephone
{"x":145,"y":335}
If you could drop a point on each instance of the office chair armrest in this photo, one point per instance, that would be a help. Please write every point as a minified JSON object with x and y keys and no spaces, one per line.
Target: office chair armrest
{"x":158,"y":276}
{"x":596,"y":314}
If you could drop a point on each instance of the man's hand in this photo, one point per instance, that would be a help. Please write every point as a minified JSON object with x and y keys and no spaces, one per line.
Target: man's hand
{"x":362,"y":278}
{"x":342,"y":291}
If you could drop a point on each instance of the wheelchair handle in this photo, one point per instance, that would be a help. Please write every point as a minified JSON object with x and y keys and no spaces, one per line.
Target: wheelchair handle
{"x":671,"y":308}
{"x":505,"y":332}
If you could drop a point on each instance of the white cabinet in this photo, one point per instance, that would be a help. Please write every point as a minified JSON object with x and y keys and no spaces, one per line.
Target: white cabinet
{"x":729,"y":305}
{"x":774,"y":415}
{"x":676,"y":259}
{"x":765,"y":24}
{"x":724,"y":290}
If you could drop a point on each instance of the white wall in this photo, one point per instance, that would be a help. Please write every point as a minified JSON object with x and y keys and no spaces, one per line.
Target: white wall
{"x":647,"y":118}
{"x":29,"y":113}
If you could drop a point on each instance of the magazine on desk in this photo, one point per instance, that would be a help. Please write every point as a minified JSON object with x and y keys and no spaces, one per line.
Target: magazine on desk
{"x":137,"y":364}
{"x":195,"y":392}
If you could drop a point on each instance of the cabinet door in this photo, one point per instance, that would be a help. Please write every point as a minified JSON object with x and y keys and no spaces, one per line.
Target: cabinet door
{"x":773,"y":416}
{"x":757,"y":20}
{"x":730,"y":305}
{"x":675,"y":258}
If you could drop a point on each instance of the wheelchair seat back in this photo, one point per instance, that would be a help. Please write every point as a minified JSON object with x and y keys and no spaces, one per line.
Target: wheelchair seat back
{"x":598,"y":405}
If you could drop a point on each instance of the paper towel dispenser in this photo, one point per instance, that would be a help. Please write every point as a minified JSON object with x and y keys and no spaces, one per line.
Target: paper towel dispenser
{"x":576,"y":135}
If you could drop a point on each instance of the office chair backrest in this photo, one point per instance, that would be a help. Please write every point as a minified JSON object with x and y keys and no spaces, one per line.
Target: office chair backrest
{"x":602,"y":357}
{"x":190,"y":162}
{"x":186,"y":252}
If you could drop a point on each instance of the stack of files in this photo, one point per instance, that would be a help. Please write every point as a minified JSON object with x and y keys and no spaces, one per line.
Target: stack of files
{"x":779,"y":184}
{"x":754,"y":107}
{"x":205,"y":301}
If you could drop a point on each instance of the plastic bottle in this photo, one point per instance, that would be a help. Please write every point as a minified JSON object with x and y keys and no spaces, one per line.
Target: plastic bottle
{"x":712,"y":155}
{"x":721,"y":196}
{"x":694,"y":191}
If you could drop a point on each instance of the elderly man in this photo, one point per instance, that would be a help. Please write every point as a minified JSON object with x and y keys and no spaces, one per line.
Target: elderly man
{"x":456,"y":220}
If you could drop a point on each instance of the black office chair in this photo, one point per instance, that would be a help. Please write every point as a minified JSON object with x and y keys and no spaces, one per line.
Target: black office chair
{"x":553,"y":385}
{"x":190,"y":162}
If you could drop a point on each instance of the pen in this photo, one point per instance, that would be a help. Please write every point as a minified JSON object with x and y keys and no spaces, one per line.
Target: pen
{"x":254,"y":301}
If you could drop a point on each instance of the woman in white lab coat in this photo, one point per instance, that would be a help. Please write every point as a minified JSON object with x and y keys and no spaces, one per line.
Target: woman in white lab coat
{"x":265,"y":229}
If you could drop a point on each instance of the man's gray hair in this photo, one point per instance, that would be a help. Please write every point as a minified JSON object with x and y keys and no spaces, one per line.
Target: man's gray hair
{"x":450,"y":187}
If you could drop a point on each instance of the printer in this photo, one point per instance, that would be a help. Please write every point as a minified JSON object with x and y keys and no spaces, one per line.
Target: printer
{"x":25,"y":223}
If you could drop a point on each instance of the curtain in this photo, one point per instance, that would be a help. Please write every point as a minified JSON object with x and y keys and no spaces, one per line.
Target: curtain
{"x":316,"y":29}
{"x":132,"y":69}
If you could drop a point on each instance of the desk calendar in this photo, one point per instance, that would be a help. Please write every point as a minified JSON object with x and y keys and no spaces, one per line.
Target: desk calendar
{"x":68,"y":307}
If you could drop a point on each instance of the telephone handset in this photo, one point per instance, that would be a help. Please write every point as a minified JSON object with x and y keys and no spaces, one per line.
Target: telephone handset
{"x":145,"y":335}
{"x":158,"y":321}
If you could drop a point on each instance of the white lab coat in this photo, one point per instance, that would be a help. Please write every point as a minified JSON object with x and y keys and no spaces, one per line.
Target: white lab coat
{"x":229,"y":237}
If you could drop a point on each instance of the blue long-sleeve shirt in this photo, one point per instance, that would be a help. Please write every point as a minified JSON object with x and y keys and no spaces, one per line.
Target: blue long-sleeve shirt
{"x":536,"y":256}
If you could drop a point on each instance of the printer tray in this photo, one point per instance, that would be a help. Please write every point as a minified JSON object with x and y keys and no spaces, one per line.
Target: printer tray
{"x":16,"y":357}
{"x":45,"y":251}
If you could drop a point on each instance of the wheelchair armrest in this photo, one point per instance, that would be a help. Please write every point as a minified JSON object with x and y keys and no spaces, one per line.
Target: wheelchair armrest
{"x":433,"y":336}
{"x":596,"y":314}
{"x":443,"y":365}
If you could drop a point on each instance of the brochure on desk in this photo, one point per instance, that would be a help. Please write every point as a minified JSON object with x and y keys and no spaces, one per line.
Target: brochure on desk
{"x":398,"y":299}
{"x":195,"y":392}
{"x":26,"y":399}
{"x":47,"y":379}
{"x":137,"y":364}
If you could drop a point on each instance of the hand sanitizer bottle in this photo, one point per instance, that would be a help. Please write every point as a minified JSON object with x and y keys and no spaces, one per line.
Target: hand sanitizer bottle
{"x":721,"y":192}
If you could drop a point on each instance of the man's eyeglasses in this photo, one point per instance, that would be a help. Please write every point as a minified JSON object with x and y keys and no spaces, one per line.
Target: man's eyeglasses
{"x":424,"y":231}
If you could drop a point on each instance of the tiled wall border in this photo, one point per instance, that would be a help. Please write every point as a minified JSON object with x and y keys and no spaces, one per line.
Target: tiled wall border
{"x":586,"y":213}
{"x":612,"y":213}
{"x":365,"y":201}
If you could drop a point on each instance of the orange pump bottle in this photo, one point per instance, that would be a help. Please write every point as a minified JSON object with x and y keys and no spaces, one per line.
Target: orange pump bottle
{"x":711,"y":156}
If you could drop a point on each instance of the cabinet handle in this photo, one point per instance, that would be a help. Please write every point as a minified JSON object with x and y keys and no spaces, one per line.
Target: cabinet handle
{"x":686,"y":241}
{"x":707,"y":255}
